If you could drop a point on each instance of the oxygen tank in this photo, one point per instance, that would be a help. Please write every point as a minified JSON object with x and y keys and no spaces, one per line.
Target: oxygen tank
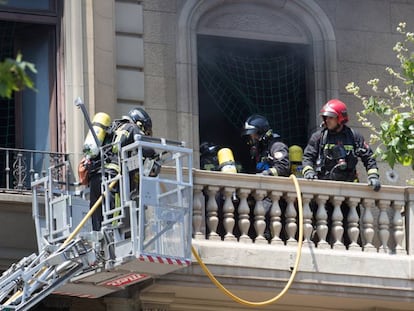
{"x":295,"y":158}
{"x":100,"y":124}
{"x":226,"y":160}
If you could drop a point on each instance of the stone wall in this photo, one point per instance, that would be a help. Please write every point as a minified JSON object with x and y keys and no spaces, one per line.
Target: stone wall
{"x":352,"y":41}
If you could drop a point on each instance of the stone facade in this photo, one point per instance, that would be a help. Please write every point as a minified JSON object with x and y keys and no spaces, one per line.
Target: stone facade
{"x":126,"y":53}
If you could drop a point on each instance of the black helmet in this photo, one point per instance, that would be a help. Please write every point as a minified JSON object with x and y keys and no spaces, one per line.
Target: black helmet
{"x":257,"y":124}
{"x":207,"y":148}
{"x":142,"y":119}
{"x":208,"y":156}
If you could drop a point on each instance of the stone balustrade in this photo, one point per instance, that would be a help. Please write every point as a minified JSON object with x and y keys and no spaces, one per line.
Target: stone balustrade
{"x":336,"y":215}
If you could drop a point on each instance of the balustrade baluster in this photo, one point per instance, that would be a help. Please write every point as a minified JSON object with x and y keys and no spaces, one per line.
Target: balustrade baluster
{"x":383,"y":225}
{"x":353,"y":224}
{"x":368,"y":225}
{"x":228,"y":214}
{"x":212,"y":212}
{"x":322,"y":221}
{"x":290,"y":213}
{"x":259,"y":216}
{"x":275,"y":220}
{"x":398,"y":227}
{"x":243,"y":212}
{"x":199,"y":228}
{"x":307,"y":220}
{"x":337,"y":224}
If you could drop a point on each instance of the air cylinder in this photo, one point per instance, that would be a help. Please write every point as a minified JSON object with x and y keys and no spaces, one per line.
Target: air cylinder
{"x":226,"y":160}
{"x":295,"y":158}
{"x":100,"y":123}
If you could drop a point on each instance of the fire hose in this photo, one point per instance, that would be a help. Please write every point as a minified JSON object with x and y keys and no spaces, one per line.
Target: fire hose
{"x":292,"y":276}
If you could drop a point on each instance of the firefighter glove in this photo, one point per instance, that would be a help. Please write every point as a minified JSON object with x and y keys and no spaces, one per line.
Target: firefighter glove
{"x":310,"y":174}
{"x":373,"y":181}
{"x":270,"y":172}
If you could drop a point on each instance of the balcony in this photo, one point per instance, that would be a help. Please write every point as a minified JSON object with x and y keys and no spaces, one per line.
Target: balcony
{"x":18,"y":170}
{"x":356,"y":254}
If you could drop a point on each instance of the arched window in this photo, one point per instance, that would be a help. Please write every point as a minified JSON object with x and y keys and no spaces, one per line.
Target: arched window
{"x":235,"y":58}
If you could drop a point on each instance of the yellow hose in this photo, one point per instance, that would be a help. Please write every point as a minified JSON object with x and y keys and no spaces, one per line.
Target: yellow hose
{"x":87,"y":216}
{"x":199,"y":260}
{"x":292,"y":276}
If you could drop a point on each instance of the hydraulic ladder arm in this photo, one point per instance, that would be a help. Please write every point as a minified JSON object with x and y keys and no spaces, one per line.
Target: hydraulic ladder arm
{"x":32,"y":279}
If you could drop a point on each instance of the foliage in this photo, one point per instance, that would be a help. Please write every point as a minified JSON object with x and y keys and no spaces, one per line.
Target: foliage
{"x":13,"y":76}
{"x":389,"y":113}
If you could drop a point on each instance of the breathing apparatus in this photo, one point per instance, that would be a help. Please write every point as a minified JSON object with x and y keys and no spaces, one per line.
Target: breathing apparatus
{"x":226,"y":160}
{"x":258,"y":144}
{"x":337,"y":155}
{"x":295,"y":158}
{"x":100,"y":124}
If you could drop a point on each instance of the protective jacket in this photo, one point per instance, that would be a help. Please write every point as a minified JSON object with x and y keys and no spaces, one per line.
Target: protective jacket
{"x":334,"y":155}
{"x":273,"y":158}
{"x":123,"y":134}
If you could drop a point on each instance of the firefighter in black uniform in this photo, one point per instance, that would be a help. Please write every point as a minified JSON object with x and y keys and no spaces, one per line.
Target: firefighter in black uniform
{"x":208,"y":156}
{"x":138,"y":122}
{"x":269,"y":154}
{"x":332,"y":152}
{"x":122,"y":131}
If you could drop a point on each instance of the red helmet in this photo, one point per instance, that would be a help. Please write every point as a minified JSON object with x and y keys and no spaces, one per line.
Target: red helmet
{"x":335,"y":108}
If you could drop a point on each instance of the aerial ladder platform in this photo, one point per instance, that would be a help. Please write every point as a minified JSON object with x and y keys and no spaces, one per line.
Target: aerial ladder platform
{"x":145,"y":235}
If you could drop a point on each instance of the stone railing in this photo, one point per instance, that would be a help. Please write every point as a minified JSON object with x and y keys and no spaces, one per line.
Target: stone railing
{"x":336,"y":215}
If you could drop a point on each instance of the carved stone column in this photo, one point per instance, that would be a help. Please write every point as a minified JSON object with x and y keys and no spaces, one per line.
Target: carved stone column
{"x":275,"y":220}
{"x":337,"y":224}
{"x":353,"y":224}
{"x":322,"y":221}
{"x":307,"y":220}
{"x":244,"y":220}
{"x":228,"y":214}
{"x":212,"y":213}
{"x":259,"y":216}
{"x":398,"y":226}
{"x":290,"y":213}
{"x":383,"y":225}
{"x":368,"y":225}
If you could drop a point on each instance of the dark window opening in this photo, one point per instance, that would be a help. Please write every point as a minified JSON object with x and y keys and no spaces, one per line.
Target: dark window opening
{"x":240,"y":77}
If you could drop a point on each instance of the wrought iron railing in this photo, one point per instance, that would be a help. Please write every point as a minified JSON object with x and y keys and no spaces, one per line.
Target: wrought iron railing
{"x":18,"y":167}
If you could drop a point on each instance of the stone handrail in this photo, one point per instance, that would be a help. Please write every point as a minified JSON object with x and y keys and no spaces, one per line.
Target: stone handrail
{"x":263,"y":210}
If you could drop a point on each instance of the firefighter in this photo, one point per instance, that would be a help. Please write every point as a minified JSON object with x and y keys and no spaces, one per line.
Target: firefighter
{"x":208,"y":156}
{"x":268,"y":153}
{"x":332,"y":152}
{"x":138,"y":122}
{"x":89,"y":168}
{"x":122,"y":132}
